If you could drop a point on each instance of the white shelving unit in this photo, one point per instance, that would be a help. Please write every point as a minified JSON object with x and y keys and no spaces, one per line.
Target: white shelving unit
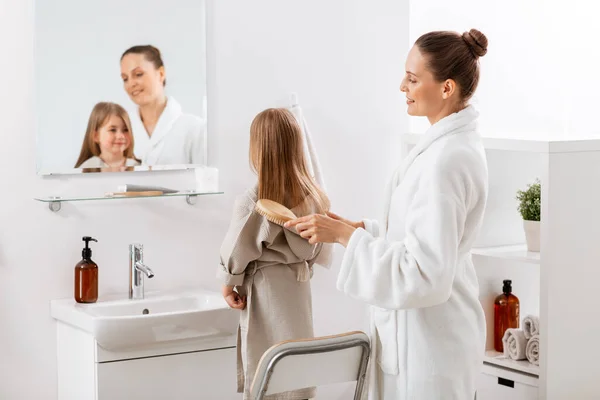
{"x":496,"y":358}
{"x":558,"y":283}
{"x":510,"y":252}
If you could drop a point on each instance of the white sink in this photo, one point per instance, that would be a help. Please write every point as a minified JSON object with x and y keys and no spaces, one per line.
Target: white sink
{"x":121,"y":323}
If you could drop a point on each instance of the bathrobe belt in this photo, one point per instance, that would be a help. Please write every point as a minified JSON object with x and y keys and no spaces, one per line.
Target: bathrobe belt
{"x":303,"y":271}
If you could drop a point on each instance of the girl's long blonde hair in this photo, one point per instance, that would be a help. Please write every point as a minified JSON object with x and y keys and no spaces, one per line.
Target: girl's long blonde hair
{"x":277,"y":157}
{"x":99,"y":116}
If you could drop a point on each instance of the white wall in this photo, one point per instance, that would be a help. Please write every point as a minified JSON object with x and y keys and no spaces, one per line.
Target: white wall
{"x":530,"y":86}
{"x":78,"y":45}
{"x":344,"y":59}
{"x":580,"y":57}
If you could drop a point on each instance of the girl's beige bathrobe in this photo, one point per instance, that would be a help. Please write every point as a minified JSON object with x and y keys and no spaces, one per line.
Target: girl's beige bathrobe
{"x":273,"y":267}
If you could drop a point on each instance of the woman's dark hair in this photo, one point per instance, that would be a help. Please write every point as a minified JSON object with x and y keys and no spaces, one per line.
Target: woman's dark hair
{"x":453,"y":56}
{"x":151,"y":53}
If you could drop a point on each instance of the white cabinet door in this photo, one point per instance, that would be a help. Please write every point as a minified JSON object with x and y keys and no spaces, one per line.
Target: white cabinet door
{"x":207,"y":375}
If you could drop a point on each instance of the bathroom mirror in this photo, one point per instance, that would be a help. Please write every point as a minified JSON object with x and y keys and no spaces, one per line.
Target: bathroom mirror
{"x":120,"y":85}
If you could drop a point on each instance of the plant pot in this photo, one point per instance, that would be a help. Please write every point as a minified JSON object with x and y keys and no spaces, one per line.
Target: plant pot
{"x":532,"y":235}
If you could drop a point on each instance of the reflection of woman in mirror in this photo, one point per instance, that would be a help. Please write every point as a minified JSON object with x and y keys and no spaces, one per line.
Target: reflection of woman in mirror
{"x":108,"y":141}
{"x":166,"y":135}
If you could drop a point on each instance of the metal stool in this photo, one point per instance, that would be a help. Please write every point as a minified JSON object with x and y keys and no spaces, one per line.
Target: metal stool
{"x":298,"y":364}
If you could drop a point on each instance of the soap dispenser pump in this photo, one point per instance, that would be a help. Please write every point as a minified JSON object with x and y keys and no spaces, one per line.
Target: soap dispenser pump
{"x":86,"y":275}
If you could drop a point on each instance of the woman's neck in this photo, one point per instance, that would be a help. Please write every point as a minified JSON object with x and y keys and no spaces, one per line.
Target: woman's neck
{"x":150,"y":113}
{"x":445,"y":111}
{"x":113,"y":160}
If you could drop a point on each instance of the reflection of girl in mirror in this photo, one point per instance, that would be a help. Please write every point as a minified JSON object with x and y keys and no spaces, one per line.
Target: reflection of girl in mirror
{"x":108,"y":141}
{"x":164,"y":134}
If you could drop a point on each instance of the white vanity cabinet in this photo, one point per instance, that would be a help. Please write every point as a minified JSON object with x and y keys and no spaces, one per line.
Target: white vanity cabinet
{"x":169,"y":345}
{"x":187,"y":370}
{"x":196,"y":375}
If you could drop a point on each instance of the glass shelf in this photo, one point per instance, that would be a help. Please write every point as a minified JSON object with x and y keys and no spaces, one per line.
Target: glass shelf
{"x":54,"y":202}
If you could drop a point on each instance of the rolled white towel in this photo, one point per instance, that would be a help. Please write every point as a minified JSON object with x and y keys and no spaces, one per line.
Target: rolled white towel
{"x":531,"y":326}
{"x":532,"y":350}
{"x":514,"y":344}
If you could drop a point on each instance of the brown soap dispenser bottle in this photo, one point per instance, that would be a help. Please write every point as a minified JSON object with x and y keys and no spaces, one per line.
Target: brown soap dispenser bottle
{"x":506,"y":314}
{"x":86,"y":276}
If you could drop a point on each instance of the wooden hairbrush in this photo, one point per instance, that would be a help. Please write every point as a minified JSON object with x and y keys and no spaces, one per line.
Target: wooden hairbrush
{"x":274,"y":212}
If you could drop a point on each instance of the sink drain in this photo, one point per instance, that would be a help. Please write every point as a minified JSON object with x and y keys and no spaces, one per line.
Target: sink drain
{"x":145,"y":311}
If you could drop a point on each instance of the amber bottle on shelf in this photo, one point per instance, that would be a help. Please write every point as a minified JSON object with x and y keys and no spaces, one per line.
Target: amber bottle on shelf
{"x":86,"y":276}
{"x":506,"y":314}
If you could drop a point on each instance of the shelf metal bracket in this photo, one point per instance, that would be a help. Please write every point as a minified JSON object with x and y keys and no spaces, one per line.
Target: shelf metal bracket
{"x":191,"y":199}
{"x":55,"y":205}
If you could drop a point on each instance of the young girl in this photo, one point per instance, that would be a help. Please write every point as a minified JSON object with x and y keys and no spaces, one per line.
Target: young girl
{"x":108,"y":142}
{"x":270,"y":266}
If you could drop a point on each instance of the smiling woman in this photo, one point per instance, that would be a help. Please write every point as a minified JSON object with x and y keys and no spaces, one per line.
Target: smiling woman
{"x":165,"y":135}
{"x":416,"y":271}
{"x":440,"y":66}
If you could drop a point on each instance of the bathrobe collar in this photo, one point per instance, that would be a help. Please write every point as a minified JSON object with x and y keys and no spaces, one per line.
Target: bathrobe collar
{"x":466,"y":119}
{"x":166,"y":120}
{"x":463,"y":120}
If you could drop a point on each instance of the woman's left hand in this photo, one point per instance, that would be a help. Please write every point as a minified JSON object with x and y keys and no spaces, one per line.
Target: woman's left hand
{"x":319,"y":228}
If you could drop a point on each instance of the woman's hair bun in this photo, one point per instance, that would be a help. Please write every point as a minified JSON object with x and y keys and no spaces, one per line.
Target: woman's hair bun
{"x":476,"y":41}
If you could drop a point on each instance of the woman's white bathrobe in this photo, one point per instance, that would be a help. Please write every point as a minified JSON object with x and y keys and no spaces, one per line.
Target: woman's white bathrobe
{"x":428,"y":325}
{"x":178,"y":138}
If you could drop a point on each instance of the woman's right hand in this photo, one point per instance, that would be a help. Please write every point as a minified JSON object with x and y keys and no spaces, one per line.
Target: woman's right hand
{"x":346,"y":221}
{"x":233,"y":298}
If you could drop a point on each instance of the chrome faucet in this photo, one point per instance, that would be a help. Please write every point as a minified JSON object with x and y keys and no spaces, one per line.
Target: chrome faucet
{"x":136,"y":268}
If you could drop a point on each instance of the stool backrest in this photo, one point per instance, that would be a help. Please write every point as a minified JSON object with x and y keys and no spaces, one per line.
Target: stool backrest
{"x":298,"y":364}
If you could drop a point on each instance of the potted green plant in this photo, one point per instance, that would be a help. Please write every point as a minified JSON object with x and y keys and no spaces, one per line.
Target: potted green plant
{"x":530,"y":201}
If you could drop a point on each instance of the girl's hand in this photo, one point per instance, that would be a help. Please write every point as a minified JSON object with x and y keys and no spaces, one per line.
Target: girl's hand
{"x":319,"y":228}
{"x":233,"y":298}
{"x":356,"y":225}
